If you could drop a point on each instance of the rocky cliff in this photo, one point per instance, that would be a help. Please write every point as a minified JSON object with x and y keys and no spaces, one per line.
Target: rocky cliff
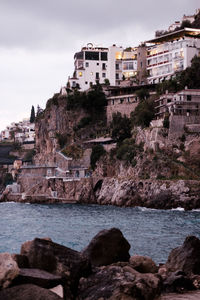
{"x":153,"y":168}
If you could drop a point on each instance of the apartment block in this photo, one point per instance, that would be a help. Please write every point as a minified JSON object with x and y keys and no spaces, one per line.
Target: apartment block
{"x":171,"y":53}
{"x":182,"y":103}
{"x":95,"y":64}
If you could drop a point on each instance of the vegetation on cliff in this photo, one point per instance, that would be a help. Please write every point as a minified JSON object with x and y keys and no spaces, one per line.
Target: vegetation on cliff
{"x":189,"y":77}
{"x":94,"y":101}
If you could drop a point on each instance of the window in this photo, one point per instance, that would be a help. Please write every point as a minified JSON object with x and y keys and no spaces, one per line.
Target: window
{"x":87,"y":64}
{"x":103,"y":66}
{"x":117,"y":66}
{"x":104,"y":56}
{"x":80,"y":74}
{"x":73,"y":83}
{"x":97,"y":75}
{"x":189,"y":97}
{"x":141,"y":64}
{"x":103,"y":75}
{"x":117,"y":76}
{"x":97,"y":64}
{"x":90,"y":55}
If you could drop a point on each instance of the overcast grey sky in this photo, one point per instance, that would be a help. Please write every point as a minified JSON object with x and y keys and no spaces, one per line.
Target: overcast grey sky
{"x":38,"y":39}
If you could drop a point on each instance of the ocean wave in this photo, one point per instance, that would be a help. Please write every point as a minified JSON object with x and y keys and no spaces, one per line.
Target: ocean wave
{"x":146,"y":208}
{"x":178,"y":209}
{"x":7,"y":202}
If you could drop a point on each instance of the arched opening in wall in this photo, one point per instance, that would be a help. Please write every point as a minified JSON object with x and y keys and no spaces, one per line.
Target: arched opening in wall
{"x":98,"y":185}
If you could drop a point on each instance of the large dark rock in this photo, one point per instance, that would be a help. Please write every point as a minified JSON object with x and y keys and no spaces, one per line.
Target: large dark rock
{"x":178,"y":282}
{"x":163,"y":200}
{"x":57,"y":259}
{"x":107,"y":247}
{"x":27,"y":292}
{"x":143,"y":264}
{"x":119,"y":281}
{"x":21,"y":260}
{"x":185,"y":258}
{"x":38,"y":277}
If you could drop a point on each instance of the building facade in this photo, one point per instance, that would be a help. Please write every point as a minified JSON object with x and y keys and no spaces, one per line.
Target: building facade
{"x":171,"y":53}
{"x":182,"y":103}
{"x":95,"y":64}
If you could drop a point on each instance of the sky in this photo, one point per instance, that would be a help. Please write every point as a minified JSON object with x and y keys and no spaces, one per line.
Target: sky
{"x":38,"y":39}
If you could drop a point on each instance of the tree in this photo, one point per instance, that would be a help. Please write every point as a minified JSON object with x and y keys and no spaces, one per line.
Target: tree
{"x":143,"y":114}
{"x":142,"y":94}
{"x":97,"y":152}
{"x":120,"y":127}
{"x":106,"y":82}
{"x":186,"y":24}
{"x":32,"y":117}
{"x":39,"y":110}
{"x":191,"y":76}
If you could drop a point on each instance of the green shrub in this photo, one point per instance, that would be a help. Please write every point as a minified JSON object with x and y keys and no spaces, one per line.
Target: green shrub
{"x":7,"y":179}
{"x":120,"y":127}
{"x":29,"y":155}
{"x":182,"y":147}
{"x":73,"y":151}
{"x":183,"y":138}
{"x":166,"y":122}
{"x":62,"y":139}
{"x":97,"y":152}
{"x":127,"y":151}
{"x":143,"y":114}
{"x":84,"y":122}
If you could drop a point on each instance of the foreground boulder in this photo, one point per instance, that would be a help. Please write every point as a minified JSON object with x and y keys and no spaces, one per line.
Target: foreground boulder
{"x":107,"y":247}
{"x":38,"y":277}
{"x":27,"y":292}
{"x":119,"y":281}
{"x":8,"y":269}
{"x":57,"y":259}
{"x":143,"y":264}
{"x":178,"y":282}
{"x":185,"y":258}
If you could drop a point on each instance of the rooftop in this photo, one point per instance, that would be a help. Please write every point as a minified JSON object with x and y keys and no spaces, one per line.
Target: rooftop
{"x":171,"y":36}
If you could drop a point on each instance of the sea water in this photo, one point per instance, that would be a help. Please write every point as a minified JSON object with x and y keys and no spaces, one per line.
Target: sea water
{"x":150,"y":232}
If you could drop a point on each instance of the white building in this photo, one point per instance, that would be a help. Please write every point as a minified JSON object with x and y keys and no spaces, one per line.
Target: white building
{"x":184,"y":103}
{"x":171,"y":53}
{"x":95,"y":64}
{"x":21,"y":132}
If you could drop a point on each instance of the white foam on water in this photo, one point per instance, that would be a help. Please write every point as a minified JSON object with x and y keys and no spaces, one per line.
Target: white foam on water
{"x":178,"y":209}
{"x":146,"y":208}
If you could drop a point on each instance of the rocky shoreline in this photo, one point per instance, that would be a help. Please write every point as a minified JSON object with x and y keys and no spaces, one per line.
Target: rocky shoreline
{"x":103,"y":270}
{"x":157,"y":194}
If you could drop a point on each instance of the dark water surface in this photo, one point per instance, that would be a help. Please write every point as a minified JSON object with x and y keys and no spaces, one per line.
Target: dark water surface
{"x":150,"y":232}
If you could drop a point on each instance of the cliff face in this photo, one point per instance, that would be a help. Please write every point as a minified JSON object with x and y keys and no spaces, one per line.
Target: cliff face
{"x":53,"y":124}
{"x":165,"y":171}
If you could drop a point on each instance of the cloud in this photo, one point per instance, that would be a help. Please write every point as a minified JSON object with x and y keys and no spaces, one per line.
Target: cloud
{"x":38,"y":40}
{"x":51,"y":24}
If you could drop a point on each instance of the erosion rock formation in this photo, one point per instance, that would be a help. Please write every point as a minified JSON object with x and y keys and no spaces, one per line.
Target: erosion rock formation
{"x":186,"y":257}
{"x":100,"y":250}
{"x":162,"y":194}
{"x":8,"y":269}
{"x":128,"y":278}
{"x":124,"y":283}
{"x":57,"y":259}
{"x":28,"y":292}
